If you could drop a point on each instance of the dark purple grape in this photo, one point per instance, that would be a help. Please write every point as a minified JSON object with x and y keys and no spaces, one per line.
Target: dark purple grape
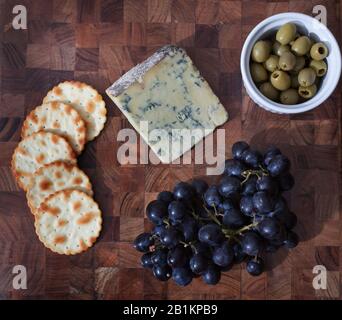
{"x":233,"y":219}
{"x":269,"y":228}
{"x":223,"y":255}
{"x":182,"y":276}
{"x":249,"y":187}
{"x":238,"y":148}
{"x":210,"y":234}
{"x":270,"y":153}
{"x":198,"y":263}
{"x":201,"y":248}
{"x":286,"y":181}
{"x":200,"y":186}
{"x":234,"y":168}
{"x":212,"y":275}
{"x":183,"y":191}
{"x":170,"y":237}
{"x":157,"y":230}
{"x":189,"y":228}
{"x":143,"y":242}
{"x":212,"y":197}
{"x":146,"y":261}
{"x":159,"y":257}
{"x":246,"y":205}
{"x":177,"y":210}
{"x":291,"y":240}
{"x":162,"y":273}
{"x":278,"y":165}
{"x":226,"y":205}
{"x":255,"y":266}
{"x":263,"y":202}
{"x":252,"y":158}
{"x":201,"y":210}
{"x":280,"y":206}
{"x":239,"y":255}
{"x":229,"y":185}
{"x":234,"y":197}
{"x":178,"y":257}
{"x":165,"y":196}
{"x":156,"y":211}
{"x":251,"y":243}
{"x":268,"y":184}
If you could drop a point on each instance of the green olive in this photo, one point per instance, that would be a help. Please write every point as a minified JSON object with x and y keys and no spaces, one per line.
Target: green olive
{"x":318,"y":51}
{"x":280,"y":80}
{"x":258,"y":72}
{"x":307,"y":92}
{"x":287,"y":61}
{"x":269,"y":91}
{"x":286,"y":33}
{"x":300,"y":64}
{"x":279,"y":49}
{"x":289,"y":96}
{"x":301,"y":46}
{"x":294,"y":81}
{"x":271,"y":64}
{"x":261,"y":51}
{"x":319,"y":66}
{"x":306,"y":77}
{"x":295,"y":38}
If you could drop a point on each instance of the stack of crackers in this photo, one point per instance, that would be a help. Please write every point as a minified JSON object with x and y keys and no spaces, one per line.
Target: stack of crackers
{"x":59,"y":194}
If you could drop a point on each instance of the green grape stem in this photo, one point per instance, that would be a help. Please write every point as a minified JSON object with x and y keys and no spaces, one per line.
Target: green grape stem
{"x":166,"y":221}
{"x":248,"y":173}
{"x":213,"y":217}
{"x":229,"y":233}
{"x":246,"y":228}
{"x":185,"y":244}
{"x":196,"y":217}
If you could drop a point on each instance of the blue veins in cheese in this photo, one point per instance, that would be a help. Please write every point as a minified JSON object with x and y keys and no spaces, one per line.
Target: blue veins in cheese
{"x":169,"y":94}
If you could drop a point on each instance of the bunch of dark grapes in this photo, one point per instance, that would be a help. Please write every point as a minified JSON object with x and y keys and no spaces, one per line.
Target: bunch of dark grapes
{"x":201,"y":230}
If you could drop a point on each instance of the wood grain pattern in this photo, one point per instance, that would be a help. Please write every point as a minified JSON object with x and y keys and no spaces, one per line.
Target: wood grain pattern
{"x":97,"y":41}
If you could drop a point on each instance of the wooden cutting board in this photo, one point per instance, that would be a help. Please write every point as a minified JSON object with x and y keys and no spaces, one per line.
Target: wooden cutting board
{"x":98,"y":40}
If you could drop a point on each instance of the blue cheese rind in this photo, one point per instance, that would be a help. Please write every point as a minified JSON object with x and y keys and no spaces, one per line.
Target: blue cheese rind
{"x":168,"y":92}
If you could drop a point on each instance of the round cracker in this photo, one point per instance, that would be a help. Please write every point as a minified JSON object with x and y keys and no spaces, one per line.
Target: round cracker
{"x":37,"y":150}
{"x":86,"y":100}
{"x":54,"y":177}
{"x":68,"y":222}
{"x":59,"y":118}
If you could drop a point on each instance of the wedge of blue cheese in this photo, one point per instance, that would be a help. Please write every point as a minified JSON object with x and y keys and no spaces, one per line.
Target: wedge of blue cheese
{"x":167,"y":93}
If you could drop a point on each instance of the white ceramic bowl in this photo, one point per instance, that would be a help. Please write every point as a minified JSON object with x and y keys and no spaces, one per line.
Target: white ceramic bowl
{"x":308,"y":26}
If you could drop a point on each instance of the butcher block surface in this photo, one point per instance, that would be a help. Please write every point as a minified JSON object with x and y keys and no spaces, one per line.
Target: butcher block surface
{"x":96,"y":41}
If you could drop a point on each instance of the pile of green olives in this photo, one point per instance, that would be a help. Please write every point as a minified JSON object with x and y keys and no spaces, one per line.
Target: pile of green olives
{"x":288,"y":68}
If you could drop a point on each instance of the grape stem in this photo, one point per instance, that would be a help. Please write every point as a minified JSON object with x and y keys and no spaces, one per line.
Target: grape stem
{"x":228,"y":232}
{"x":259,"y":173}
{"x":264,"y":171}
{"x":185,"y":244}
{"x":245,"y":228}
{"x":196,"y":217}
{"x":166,"y":221}
{"x":213,"y":217}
